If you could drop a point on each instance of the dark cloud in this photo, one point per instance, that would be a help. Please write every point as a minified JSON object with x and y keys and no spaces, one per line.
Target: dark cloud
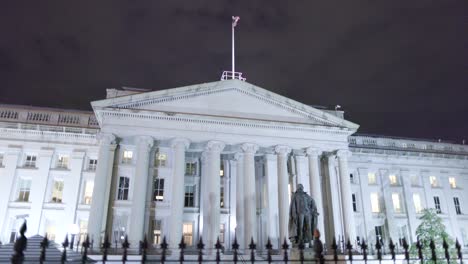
{"x":396,"y":67}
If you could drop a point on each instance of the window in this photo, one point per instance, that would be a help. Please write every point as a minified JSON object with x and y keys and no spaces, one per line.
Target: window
{"x":88,"y":192}
{"x":158,"y":189}
{"x":62,"y":162}
{"x":156,"y":232}
{"x":371,"y":178}
{"x":1,"y":159}
{"x":222,"y":231}
{"x":30,"y":161}
{"x":375,"y":206}
{"x":393,"y":179}
{"x":187,"y":231}
{"x":57,"y":191}
{"x":221,"y":169}
{"x":437,"y":204}
{"x":189,"y":200}
{"x":92,"y":164}
{"x":50,"y":230}
{"x":433,"y":181}
{"x":190,"y":168}
{"x":354,"y":202}
{"x":221,"y":197}
{"x":379,"y":234}
{"x":24,"y":188}
{"x":119,"y":228}
{"x":160,"y":160}
{"x":127,"y":157}
{"x":122,"y":192}
{"x":396,"y":203}
{"x":457,"y":205}
{"x":452,"y":182}
{"x":417,"y":203}
{"x":351,"y":178}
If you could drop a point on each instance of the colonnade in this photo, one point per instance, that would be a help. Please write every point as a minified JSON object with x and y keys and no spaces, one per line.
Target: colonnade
{"x":246,"y":211}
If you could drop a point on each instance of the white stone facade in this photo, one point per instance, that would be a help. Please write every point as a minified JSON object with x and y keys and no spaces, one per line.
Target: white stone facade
{"x":216,"y":160}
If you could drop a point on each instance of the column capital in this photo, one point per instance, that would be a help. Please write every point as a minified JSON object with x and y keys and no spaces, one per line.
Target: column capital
{"x":176,"y":142}
{"x":144,"y":141}
{"x":313,"y":151}
{"x":106,"y":138}
{"x":249,"y":148}
{"x":282,"y":150}
{"x":343,"y":153}
{"x":214,"y":146}
{"x":238,"y":156}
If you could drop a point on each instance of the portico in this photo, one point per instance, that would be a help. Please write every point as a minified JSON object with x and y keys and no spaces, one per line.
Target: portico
{"x":229,"y":126}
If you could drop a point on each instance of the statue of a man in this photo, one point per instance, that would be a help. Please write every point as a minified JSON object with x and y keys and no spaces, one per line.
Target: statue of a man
{"x":302,"y":217}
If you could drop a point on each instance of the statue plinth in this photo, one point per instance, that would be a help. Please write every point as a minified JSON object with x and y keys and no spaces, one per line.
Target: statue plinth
{"x":309,"y":254}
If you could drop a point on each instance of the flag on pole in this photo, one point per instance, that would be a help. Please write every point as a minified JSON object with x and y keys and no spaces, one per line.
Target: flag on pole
{"x":234,"y":21}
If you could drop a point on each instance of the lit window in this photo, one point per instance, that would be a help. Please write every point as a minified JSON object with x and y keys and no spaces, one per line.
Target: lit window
{"x":188,"y":233}
{"x":417,"y":203}
{"x":156,"y":232}
{"x":24,"y":188}
{"x":221,"y":169}
{"x":57,"y":191}
{"x":222,"y":231}
{"x":50,"y":230}
{"x":127,"y":157}
{"x":189,"y":200}
{"x":190,"y":168}
{"x":393,"y":179}
{"x":62,"y":162}
{"x":124,"y":186}
{"x":158,"y":189}
{"x":354,"y":202}
{"x":433,"y":181}
{"x":375,"y":206}
{"x":437,"y":204}
{"x":83,"y":225}
{"x":30,"y":161}
{"x":371,"y":177}
{"x":221,"y":197}
{"x":396,"y":202}
{"x":453,"y":182}
{"x":88,"y":192}
{"x":92,"y":164}
{"x":457,"y":205}
{"x":160,"y":160}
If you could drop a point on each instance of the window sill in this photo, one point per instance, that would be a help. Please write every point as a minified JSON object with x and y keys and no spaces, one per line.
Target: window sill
{"x":27,"y":168}
{"x":18,"y":204}
{"x":84,"y":206}
{"x":54,"y":205}
{"x":60,"y":169}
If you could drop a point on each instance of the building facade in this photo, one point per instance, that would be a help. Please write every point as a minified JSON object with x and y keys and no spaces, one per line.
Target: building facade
{"x":216,"y":160}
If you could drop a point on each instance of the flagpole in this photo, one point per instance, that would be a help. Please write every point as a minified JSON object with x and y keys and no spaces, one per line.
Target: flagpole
{"x":233,"y":60}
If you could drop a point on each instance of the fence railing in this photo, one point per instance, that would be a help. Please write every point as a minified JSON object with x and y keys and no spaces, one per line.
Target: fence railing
{"x":144,"y":254}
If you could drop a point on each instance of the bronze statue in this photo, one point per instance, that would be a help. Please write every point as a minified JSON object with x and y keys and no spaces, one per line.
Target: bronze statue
{"x":302,"y":217}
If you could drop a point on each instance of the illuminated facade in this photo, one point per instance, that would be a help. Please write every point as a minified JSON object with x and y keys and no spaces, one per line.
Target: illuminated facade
{"x":217,"y":160}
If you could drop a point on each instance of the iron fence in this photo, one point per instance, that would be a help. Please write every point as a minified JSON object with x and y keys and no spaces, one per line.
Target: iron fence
{"x":253,"y":254}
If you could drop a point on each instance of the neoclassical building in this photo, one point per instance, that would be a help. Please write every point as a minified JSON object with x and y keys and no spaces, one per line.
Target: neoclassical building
{"x":213,"y":160}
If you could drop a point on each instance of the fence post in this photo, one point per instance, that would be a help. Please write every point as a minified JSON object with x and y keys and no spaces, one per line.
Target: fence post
{"x":85,"y":246}
{"x":459,"y":253}
{"x":20,"y":245}
{"x":64,"y":253}
{"x":268,"y":247}
{"x":285,"y":248}
{"x":105,"y":247}
{"x":406,"y":247}
{"x":433,"y":252}
{"x":218,"y":246}
{"x":447,"y":255}
{"x":301,"y":251}
{"x":419,"y":247}
{"x":44,"y":244}
{"x":391,"y":245}
{"x":182,"y":246}
{"x":378,"y":246}
{"x":200,"y":247}
{"x":318,"y":249}
{"x":144,"y":247}
{"x":364,"y":250}
{"x":235,"y":247}
{"x":252,"y":248}
{"x":164,"y":250}
{"x":125,"y":246}
{"x":334,"y":246}
{"x":349,"y":247}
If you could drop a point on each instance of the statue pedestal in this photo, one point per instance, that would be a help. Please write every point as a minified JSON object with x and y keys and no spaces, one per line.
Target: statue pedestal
{"x":309,"y":254}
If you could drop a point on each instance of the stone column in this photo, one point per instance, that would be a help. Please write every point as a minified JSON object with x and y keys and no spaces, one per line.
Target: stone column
{"x":211,"y":194}
{"x":102,"y":178}
{"x":10,"y":163}
{"x":137,"y":220}
{"x":316,"y":186}
{"x":240,"y":223}
{"x":271,"y":175}
{"x":179,"y":145}
{"x":250,"y":203}
{"x":283,"y":191}
{"x":346,"y":201}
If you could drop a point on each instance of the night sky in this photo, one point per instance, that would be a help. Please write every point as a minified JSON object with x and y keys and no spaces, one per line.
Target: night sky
{"x":397,"y":68}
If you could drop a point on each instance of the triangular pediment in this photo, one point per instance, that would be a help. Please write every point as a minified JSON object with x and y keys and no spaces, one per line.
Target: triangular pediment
{"x":228,"y":99}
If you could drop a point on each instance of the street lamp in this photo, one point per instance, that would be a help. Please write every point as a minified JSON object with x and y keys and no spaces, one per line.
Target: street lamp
{"x":74,"y":230}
